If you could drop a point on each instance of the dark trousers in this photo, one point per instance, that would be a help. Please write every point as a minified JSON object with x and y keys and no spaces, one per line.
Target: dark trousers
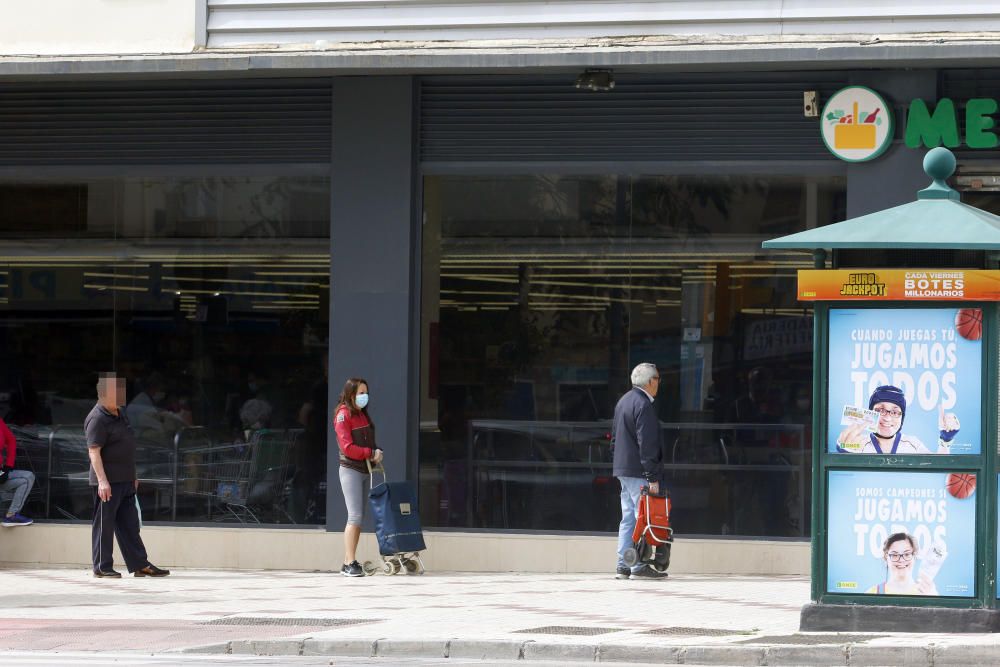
{"x":119,"y":518}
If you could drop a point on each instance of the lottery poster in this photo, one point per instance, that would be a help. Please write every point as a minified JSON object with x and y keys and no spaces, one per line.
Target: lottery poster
{"x":905,"y":381}
{"x":901,"y":533}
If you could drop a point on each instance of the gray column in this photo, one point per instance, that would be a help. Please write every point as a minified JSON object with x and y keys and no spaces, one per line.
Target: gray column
{"x":895,"y":177}
{"x":373,"y":250}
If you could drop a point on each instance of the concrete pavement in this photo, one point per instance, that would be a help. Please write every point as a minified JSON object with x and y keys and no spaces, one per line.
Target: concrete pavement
{"x":686,"y":619}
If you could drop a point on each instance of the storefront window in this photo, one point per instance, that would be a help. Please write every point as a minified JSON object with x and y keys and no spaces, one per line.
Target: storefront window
{"x":540,"y":293}
{"x":210,"y":296}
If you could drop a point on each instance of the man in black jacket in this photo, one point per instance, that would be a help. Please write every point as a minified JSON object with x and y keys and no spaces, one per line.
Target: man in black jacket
{"x":638,"y":457}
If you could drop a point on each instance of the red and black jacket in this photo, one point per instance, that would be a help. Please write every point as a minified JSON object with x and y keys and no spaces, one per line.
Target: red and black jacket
{"x":355,"y":437}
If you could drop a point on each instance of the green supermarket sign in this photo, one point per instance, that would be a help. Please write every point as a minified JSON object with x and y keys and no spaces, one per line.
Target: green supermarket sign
{"x":852,"y":130}
{"x":930,"y":128}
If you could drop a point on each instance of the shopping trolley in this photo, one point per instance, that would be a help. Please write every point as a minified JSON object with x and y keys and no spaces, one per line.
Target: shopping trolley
{"x":653,"y":536}
{"x":397,"y":526}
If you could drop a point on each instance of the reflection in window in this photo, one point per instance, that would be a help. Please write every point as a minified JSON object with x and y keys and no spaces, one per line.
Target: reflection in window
{"x":158,"y":207}
{"x":222,"y":340}
{"x":540,"y":293}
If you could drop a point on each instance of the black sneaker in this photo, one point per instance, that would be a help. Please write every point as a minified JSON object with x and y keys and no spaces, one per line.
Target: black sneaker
{"x":352,"y":570}
{"x":650,"y":573}
{"x":107,"y":574}
{"x":623,"y":573}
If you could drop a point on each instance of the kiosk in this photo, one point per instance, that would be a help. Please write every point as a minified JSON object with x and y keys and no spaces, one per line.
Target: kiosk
{"x":904,"y":499}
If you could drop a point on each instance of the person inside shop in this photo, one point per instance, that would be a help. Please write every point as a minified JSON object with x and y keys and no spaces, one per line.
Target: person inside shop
{"x":111,"y":447}
{"x":310,"y":453}
{"x":147,"y":416}
{"x":900,"y":555}
{"x":799,"y":411}
{"x":356,"y":440}
{"x":888,"y":437}
{"x":757,"y":405}
{"x":255,"y":388}
{"x":637,"y":448}
{"x":14,"y":483}
{"x":255,"y":415}
{"x":25,"y":406}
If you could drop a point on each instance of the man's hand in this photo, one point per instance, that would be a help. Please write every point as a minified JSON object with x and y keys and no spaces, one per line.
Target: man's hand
{"x":654,"y":487}
{"x":853,"y":438}
{"x":104,"y":490}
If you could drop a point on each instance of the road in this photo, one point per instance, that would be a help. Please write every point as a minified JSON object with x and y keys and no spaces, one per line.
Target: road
{"x":47,"y":658}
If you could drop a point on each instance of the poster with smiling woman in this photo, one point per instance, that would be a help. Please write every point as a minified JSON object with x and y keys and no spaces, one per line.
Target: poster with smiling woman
{"x":905,"y":381}
{"x":901,"y":533}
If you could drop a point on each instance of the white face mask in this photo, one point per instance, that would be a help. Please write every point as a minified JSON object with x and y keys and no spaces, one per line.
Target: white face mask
{"x":361,"y":400}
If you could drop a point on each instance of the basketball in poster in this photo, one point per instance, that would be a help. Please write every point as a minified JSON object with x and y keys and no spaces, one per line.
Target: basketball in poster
{"x":901,"y":533}
{"x":905,"y":381}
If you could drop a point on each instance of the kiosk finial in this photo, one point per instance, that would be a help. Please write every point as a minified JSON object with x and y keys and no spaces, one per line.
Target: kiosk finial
{"x":939,"y":164}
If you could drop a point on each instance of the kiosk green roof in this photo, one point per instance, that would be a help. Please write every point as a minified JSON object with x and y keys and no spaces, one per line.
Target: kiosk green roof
{"x":938,"y":220}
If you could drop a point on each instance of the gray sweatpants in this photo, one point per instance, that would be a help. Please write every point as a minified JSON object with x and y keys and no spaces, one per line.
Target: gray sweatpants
{"x":18,"y":484}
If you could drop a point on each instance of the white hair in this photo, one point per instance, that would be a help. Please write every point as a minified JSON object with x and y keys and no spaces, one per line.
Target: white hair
{"x":255,"y":413}
{"x":643,"y":374}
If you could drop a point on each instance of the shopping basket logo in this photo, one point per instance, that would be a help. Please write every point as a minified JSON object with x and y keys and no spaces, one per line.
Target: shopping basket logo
{"x":857,"y":124}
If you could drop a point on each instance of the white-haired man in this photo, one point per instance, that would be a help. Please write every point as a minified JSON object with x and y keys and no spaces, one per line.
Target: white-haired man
{"x":638,"y":458}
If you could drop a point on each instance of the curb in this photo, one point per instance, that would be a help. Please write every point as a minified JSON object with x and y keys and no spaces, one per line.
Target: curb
{"x":847,"y":655}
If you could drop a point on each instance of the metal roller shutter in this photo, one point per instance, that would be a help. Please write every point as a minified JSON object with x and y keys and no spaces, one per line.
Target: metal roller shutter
{"x":172,"y":122}
{"x":683,"y":117}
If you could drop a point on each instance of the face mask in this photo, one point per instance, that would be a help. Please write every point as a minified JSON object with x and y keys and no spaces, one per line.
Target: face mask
{"x":361,"y":400}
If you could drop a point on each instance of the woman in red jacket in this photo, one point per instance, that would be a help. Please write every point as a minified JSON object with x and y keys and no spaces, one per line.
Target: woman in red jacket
{"x":356,"y":438}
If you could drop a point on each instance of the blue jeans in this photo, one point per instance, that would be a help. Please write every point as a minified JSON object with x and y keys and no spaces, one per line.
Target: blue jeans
{"x":631,"y":490}
{"x":18,"y":485}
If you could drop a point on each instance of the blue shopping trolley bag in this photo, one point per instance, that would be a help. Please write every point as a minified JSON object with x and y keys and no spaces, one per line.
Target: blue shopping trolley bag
{"x":397,"y":519}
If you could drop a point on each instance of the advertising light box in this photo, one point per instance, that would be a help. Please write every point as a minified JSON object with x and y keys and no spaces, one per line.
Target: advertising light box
{"x":901,"y":533}
{"x":905,"y":381}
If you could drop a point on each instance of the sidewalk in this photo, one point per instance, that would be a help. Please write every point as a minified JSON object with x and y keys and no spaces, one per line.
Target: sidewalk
{"x":685,"y":619}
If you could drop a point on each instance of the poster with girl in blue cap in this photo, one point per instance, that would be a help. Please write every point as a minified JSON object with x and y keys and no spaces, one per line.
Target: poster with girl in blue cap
{"x":905,"y":381}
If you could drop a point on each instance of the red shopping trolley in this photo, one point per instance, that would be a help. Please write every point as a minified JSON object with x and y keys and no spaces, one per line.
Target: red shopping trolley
{"x":653,"y":536}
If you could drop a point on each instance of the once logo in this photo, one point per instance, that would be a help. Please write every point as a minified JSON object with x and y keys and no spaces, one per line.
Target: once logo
{"x":857,"y":124}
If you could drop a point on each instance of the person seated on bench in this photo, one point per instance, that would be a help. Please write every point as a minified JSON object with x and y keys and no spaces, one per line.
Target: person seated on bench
{"x":15,"y":482}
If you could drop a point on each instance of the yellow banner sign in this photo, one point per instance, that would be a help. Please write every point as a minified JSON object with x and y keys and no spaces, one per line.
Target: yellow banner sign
{"x":899,"y":285}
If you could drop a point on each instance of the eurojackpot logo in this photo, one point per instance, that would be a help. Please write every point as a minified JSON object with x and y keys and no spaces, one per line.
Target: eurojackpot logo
{"x":857,"y":124}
